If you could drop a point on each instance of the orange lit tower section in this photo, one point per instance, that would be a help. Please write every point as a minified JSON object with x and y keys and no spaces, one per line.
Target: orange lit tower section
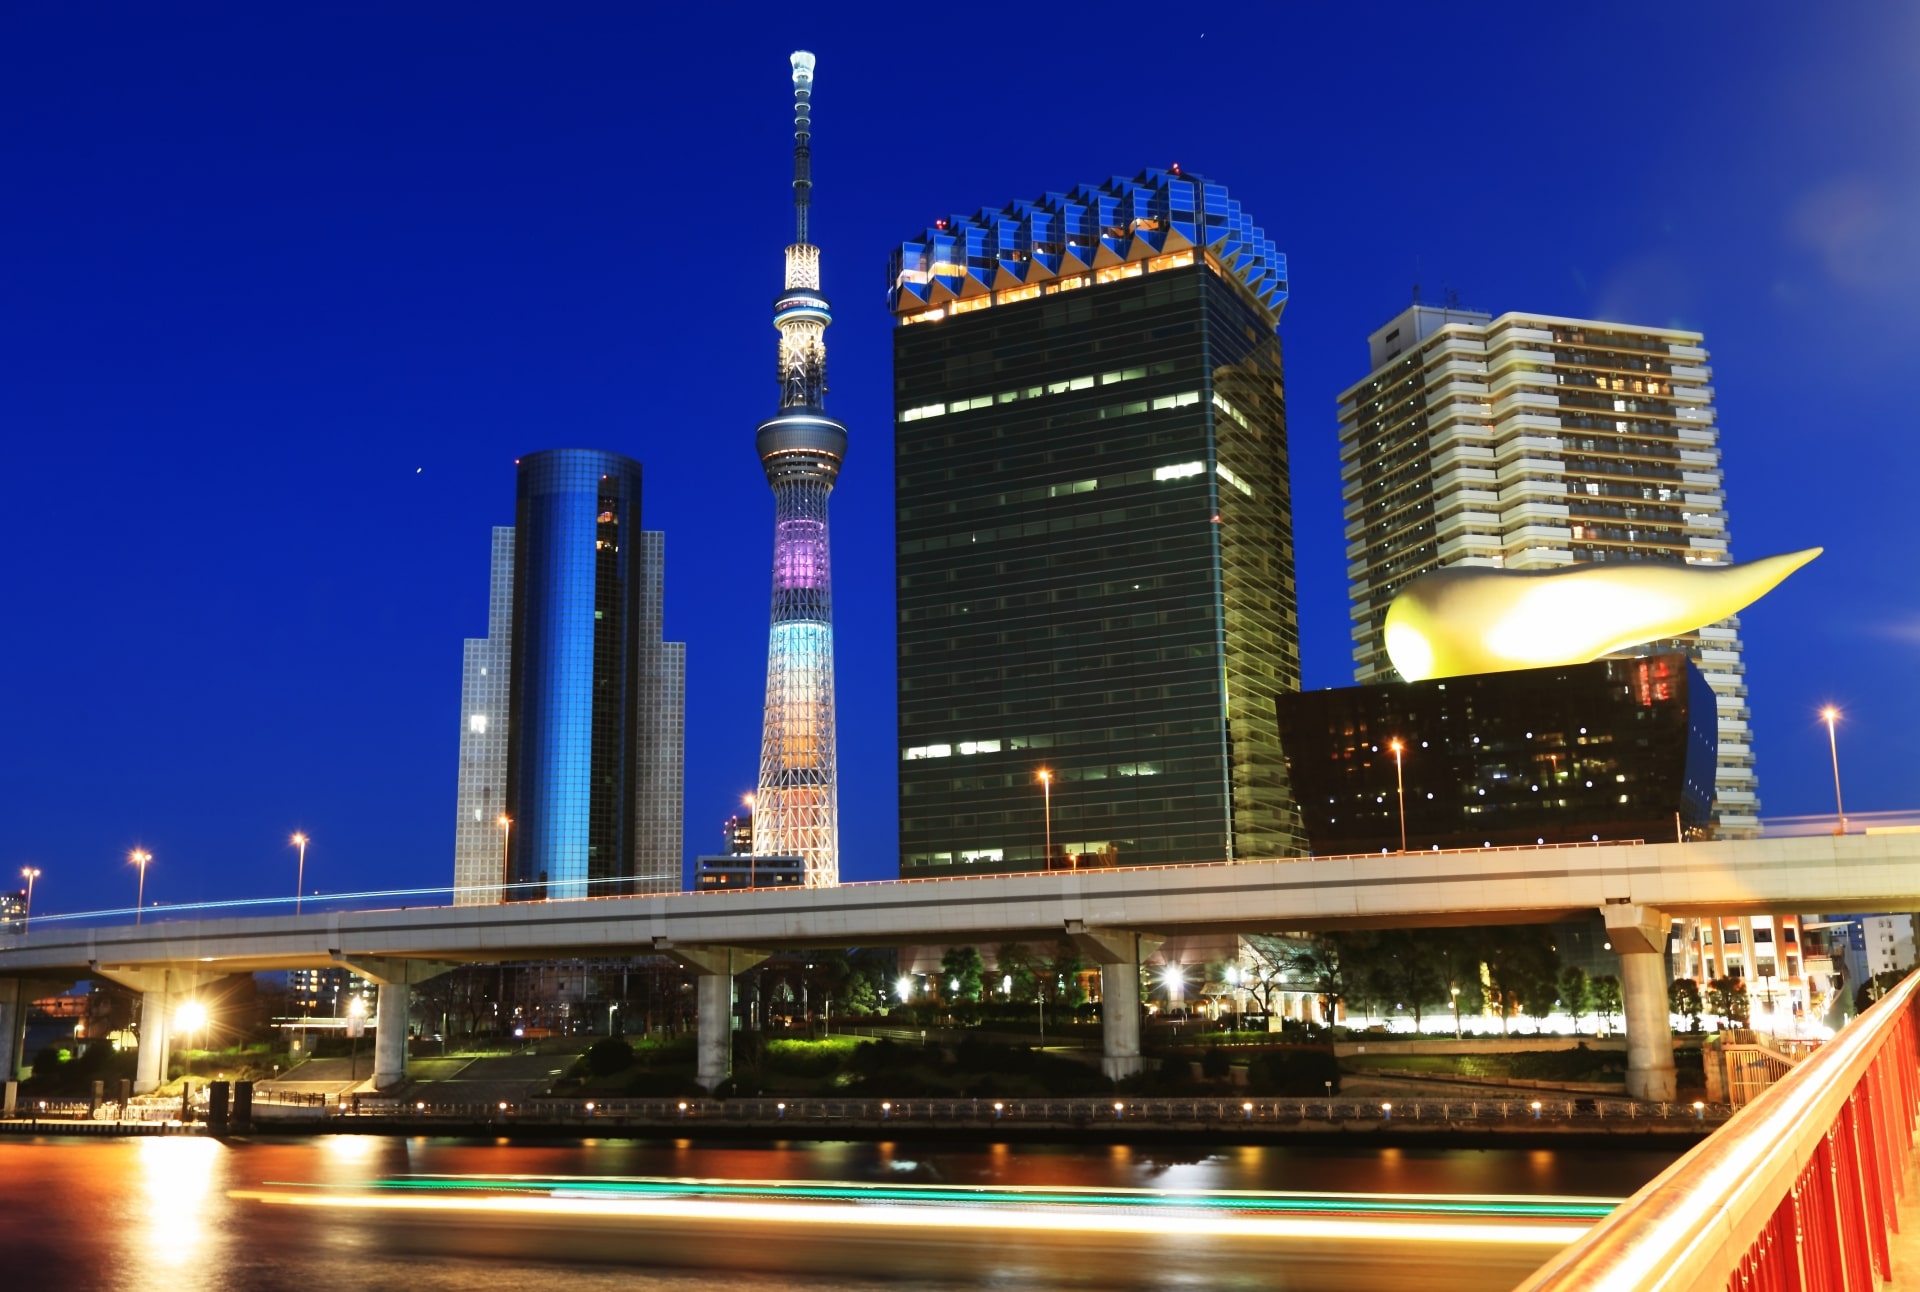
{"x":797,"y":808}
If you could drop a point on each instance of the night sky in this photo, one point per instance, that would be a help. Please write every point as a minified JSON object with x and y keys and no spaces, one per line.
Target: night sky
{"x":285,"y":289}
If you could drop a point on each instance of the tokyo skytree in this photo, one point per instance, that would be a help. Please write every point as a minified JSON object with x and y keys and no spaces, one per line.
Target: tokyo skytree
{"x":797,"y":809}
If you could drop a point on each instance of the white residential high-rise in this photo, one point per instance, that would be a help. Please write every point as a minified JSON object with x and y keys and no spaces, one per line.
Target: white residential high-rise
{"x":1529,"y":441}
{"x":660,"y":729}
{"x":479,"y":856}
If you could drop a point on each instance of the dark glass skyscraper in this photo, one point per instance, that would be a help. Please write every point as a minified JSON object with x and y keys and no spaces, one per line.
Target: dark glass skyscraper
{"x":596,"y":698}
{"x":1094,"y":533}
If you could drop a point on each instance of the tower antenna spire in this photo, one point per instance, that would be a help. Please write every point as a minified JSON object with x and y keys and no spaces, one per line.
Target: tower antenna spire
{"x":802,"y":141}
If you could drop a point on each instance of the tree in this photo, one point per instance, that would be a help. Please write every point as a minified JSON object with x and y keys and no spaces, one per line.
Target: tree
{"x":1606,"y":998}
{"x":1521,"y":964}
{"x":1727,"y":997}
{"x":1063,"y":971}
{"x":960,"y":970}
{"x":1315,"y":964}
{"x":1407,"y":968}
{"x":1014,"y":961}
{"x":1576,"y":993}
{"x":1683,"y":998}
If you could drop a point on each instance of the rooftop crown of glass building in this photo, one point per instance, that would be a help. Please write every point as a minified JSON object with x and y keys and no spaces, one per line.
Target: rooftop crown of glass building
{"x":1063,"y":240}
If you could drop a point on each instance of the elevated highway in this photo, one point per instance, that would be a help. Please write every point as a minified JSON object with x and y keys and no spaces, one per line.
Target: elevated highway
{"x":1639,"y":888}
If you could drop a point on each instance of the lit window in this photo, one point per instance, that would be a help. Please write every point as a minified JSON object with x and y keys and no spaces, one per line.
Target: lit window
{"x":477,"y":724}
{"x":925,"y":410}
{"x":1179,"y":471}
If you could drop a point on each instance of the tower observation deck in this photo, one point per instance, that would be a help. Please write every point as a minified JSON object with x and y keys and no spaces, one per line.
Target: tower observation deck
{"x":797,"y":810}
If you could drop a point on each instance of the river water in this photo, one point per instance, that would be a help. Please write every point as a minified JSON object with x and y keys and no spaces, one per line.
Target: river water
{"x":348,"y":1211}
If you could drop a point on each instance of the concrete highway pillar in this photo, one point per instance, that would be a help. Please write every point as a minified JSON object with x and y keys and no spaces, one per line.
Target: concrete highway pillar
{"x":13,"y":1028}
{"x":395,"y":978}
{"x":150,"y":1061}
{"x":390,"y":1035}
{"x":1639,"y":935}
{"x":1118,"y":952}
{"x":714,"y":968}
{"x":713,"y":997}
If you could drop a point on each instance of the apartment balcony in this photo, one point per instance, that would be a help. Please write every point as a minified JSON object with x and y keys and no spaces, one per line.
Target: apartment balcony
{"x":1730,"y":752}
{"x":1356,"y":529}
{"x":1539,"y":558}
{"x":1701,"y":521}
{"x":1468,"y":545}
{"x":1529,"y":489}
{"x":1704,"y":501}
{"x":1463,"y":476}
{"x":1696,"y":375}
{"x":1716,"y":656}
{"x":1528,"y":444}
{"x":1692,"y":395}
{"x":1715,"y":545}
{"x":1530,"y":513}
{"x":1458,"y":432}
{"x":1463,"y":454}
{"x":1517,"y":333}
{"x":1550,"y":537}
{"x":1504,"y":359}
{"x":1702,"y":479}
{"x":1458,"y":388}
{"x":1455,"y":367}
{"x":1697,"y":435}
{"x":1530,"y":423}
{"x":1485,"y":520}
{"x":1531,"y":468}
{"x":1737,"y":798}
{"x":1699,"y":457}
{"x":1717,"y":634}
{"x":1523,"y":397}
{"x":1679,"y":351}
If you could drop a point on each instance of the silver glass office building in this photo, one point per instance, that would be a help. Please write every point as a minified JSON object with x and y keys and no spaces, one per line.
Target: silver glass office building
{"x":596,"y":699}
{"x":479,"y":856}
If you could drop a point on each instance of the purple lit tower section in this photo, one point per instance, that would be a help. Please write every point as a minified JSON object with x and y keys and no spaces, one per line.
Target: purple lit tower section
{"x":797,"y":809}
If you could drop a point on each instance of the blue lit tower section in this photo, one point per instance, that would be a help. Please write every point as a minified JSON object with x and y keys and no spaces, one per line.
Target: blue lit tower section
{"x":595,"y":696}
{"x":797,"y":810}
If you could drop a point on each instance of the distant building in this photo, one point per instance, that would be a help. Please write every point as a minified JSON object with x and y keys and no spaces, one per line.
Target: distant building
{"x":1094,"y":533}
{"x":1528,"y":442}
{"x":744,"y":870}
{"x":479,"y":854}
{"x":738,"y":833}
{"x":597,"y":701}
{"x":13,"y":910}
{"x":1615,"y":750}
{"x":738,"y":867}
{"x":573,"y":708}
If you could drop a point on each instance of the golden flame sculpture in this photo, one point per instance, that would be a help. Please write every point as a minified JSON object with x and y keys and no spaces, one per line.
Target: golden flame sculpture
{"x":1473,"y":619}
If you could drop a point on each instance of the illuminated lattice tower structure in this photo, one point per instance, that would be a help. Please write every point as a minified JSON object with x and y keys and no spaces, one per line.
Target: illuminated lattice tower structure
{"x":797,"y":810}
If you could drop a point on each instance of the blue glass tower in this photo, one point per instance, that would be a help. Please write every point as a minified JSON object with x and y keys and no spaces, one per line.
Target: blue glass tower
{"x":596,"y":699}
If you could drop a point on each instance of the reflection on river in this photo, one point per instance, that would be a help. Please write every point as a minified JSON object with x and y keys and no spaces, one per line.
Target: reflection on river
{"x":364,"y":1212}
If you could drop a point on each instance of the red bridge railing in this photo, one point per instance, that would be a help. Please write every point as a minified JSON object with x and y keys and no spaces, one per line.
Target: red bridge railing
{"x":1798,"y":1192}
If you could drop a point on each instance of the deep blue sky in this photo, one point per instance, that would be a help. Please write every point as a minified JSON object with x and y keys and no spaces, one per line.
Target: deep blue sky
{"x":284,"y":290}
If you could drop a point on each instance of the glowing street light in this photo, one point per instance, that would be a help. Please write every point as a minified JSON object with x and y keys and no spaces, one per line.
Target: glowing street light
{"x":1046,"y":796}
{"x":1455,"y":991}
{"x":356,"y":1024}
{"x":1831,"y":715}
{"x":1399,"y":788}
{"x":28,"y":873}
{"x":190,"y":1018}
{"x":300,"y":884}
{"x":904,"y":989}
{"x":506,"y":833}
{"x":140,"y":857}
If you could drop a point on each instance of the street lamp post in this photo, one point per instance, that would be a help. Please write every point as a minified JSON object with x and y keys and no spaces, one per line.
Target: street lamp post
{"x":300,"y":883}
{"x":611,"y":1009}
{"x":29,"y":873}
{"x":1455,"y":991}
{"x":1399,"y":788}
{"x":1046,"y":795}
{"x":506,"y":833}
{"x":140,"y":858}
{"x":1832,"y":715}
